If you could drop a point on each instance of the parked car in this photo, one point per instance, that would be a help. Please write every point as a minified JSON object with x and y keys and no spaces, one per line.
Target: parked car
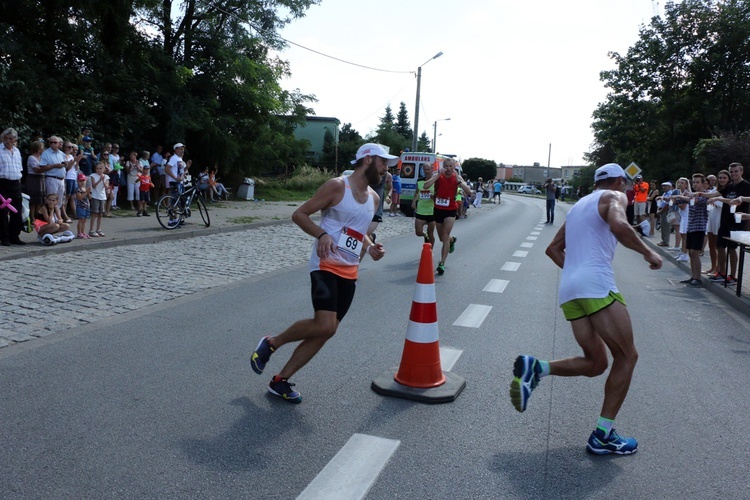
{"x":529,"y":190}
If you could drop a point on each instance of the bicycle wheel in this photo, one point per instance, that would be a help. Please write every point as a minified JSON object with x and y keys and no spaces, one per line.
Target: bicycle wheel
{"x":168,"y":210}
{"x":203,"y":210}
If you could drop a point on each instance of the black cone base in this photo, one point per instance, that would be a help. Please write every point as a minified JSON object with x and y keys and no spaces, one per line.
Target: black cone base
{"x":445,"y":393}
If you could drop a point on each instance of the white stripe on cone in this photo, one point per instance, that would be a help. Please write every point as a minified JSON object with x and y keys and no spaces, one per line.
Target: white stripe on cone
{"x":422,"y":333}
{"x":424,"y":294}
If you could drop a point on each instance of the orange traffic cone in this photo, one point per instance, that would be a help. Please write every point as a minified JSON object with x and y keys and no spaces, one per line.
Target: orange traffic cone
{"x":420,"y":361}
{"x":420,"y":377}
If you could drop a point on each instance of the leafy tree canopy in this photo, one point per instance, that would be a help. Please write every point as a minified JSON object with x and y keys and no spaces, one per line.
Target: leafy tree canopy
{"x":475,"y":168}
{"x":147,"y":72}
{"x":686,"y":80}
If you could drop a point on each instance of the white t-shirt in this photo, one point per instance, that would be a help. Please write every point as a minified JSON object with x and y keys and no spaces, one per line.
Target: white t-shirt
{"x":98,"y":192}
{"x":72,"y":172}
{"x":174,"y":165}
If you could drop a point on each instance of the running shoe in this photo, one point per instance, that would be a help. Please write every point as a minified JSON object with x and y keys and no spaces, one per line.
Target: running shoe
{"x":441,"y":269}
{"x":683,"y":257}
{"x":685,"y":282}
{"x":695,"y":284}
{"x":283,"y":389}
{"x":717,"y":278}
{"x":616,"y":444}
{"x":261,"y":355}
{"x":453,"y":244}
{"x":731,"y":281}
{"x":526,"y":372}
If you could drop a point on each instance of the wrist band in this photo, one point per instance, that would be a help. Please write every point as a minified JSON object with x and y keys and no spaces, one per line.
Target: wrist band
{"x":323,"y":234}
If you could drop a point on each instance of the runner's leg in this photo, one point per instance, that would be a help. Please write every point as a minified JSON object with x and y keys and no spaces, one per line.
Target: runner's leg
{"x":313,"y":334}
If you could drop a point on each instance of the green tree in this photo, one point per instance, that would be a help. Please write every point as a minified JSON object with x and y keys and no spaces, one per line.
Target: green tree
{"x":403,"y":127}
{"x":143,"y":72}
{"x":424,"y":143}
{"x":349,"y":143}
{"x":475,"y":168}
{"x":686,"y":79}
{"x":388,"y":135}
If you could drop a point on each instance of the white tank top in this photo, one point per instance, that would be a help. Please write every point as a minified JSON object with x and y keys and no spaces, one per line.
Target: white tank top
{"x":347,"y":224}
{"x":589,"y":250}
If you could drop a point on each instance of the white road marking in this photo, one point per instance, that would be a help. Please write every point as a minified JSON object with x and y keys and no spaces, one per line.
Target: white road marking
{"x":496,"y":286}
{"x":353,"y":470}
{"x":535,"y":233}
{"x":511,"y":266}
{"x":448,"y":357}
{"x":527,"y":245}
{"x":532,"y":238}
{"x":520,"y":253}
{"x":473,"y":316}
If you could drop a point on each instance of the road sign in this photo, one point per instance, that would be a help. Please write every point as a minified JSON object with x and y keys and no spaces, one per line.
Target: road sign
{"x":632,"y":170}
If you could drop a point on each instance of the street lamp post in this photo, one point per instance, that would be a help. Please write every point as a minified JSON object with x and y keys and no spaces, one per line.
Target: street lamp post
{"x":416,"y":107}
{"x":434,"y":133}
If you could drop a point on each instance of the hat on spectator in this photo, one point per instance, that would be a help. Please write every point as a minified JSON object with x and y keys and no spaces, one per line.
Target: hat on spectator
{"x":666,"y":183}
{"x":608,"y":171}
{"x":178,"y":145}
{"x":81,"y":177}
{"x":639,"y":176}
{"x":372,"y":149}
{"x":87,"y":138}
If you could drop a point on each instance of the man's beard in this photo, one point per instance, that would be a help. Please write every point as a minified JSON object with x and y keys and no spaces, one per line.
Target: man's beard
{"x":373,"y":176}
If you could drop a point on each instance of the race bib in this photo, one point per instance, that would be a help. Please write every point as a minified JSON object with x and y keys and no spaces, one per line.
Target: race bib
{"x":350,"y":241}
{"x":442,"y":202}
{"x":425,"y":195}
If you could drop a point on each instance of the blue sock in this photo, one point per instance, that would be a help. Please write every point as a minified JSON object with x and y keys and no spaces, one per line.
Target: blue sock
{"x":605,"y":425}
{"x":545,"y":368}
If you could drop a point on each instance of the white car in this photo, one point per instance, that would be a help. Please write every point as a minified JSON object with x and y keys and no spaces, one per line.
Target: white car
{"x":529,"y":190}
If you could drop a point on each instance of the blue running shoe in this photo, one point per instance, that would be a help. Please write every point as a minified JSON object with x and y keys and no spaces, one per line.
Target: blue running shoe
{"x":613,"y":444}
{"x":283,"y":389}
{"x":260,"y":357}
{"x":526,"y":372}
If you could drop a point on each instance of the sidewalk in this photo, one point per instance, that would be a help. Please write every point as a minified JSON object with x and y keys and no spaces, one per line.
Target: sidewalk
{"x":728,"y":294}
{"x":124,"y":228}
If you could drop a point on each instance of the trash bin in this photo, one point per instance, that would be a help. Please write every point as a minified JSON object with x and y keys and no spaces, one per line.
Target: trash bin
{"x":247,"y":189}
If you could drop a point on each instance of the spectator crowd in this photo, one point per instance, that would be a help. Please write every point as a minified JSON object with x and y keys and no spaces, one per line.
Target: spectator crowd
{"x":67,"y":180}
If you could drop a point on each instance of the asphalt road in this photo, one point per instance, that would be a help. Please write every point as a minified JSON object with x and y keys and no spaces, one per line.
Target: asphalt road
{"x":161,"y":402}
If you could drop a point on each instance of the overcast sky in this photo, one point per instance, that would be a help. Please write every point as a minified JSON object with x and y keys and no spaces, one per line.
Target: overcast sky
{"x":515,"y":76}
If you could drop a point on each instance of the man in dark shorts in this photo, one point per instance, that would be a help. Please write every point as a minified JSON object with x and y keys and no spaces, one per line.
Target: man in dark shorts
{"x":446,"y":182}
{"x":696,"y":229}
{"x":347,"y":205}
{"x":584,"y":248}
{"x":737,"y":188}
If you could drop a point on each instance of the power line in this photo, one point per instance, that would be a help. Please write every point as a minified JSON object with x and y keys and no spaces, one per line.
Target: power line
{"x":276,"y":35}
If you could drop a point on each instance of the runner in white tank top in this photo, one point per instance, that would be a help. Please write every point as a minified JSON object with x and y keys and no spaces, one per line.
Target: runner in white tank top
{"x":347,"y":205}
{"x":584,"y":248}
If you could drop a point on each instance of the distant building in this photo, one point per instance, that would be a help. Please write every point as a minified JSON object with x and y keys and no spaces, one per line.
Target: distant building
{"x":314,"y":130}
{"x":568,"y":173}
{"x":536,"y":174}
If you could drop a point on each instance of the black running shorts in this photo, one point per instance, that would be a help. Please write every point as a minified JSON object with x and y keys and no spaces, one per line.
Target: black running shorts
{"x":331,"y":292}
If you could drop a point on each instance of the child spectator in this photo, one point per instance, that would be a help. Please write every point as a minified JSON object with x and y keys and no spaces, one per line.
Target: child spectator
{"x":83,"y":205}
{"x":98,"y":184}
{"x":115,"y":178}
{"x":50,"y":222}
{"x":133,"y":169}
{"x":145,"y":188}
{"x":217,"y":188}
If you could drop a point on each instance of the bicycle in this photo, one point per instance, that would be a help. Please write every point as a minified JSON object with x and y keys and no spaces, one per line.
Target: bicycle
{"x":174,"y":208}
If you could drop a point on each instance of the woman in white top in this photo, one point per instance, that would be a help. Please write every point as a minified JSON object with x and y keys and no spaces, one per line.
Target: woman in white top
{"x":71,"y":180}
{"x":133,"y":170}
{"x":35,"y":184}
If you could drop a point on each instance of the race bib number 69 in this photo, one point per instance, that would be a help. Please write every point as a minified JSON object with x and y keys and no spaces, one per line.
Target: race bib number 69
{"x":350,"y":241}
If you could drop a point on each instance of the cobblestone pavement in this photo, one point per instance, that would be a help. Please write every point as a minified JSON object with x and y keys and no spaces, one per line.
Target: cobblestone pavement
{"x":50,"y":292}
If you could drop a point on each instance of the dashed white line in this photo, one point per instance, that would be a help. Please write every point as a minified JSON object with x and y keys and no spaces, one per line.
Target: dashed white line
{"x":535,"y":233}
{"x":448,"y":357}
{"x":511,"y":266}
{"x":496,"y":286}
{"x":532,"y":238}
{"x":520,"y":253}
{"x":353,"y":470}
{"x":527,"y":245}
{"x":473,"y":316}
